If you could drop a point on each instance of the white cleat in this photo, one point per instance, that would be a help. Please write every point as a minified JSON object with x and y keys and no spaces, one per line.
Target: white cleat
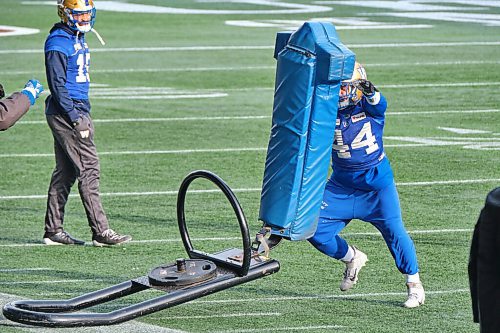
{"x":352,"y":269}
{"x":416,"y":295}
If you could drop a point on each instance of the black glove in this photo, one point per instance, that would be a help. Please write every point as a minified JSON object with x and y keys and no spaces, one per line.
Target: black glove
{"x":2,"y":93}
{"x":366,"y":87}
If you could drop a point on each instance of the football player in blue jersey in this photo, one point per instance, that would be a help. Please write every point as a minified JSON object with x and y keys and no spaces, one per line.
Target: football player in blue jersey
{"x":362,"y":187}
{"x":67,"y":109}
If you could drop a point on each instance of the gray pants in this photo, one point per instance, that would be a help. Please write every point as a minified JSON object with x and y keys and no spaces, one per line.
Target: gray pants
{"x":76,"y":158}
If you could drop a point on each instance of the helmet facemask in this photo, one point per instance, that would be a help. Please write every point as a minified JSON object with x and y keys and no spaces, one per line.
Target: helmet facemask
{"x":349,"y":95}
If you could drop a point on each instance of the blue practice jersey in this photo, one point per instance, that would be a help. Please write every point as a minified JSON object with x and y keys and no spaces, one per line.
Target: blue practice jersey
{"x":77,"y":52}
{"x":358,"y":136}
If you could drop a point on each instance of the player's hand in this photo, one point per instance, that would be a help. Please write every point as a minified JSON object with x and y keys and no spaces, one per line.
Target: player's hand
{"x":33,"y":89}
{"x":82,"y":127}
{"x":2,"y":92}
{"x":366,"y":87}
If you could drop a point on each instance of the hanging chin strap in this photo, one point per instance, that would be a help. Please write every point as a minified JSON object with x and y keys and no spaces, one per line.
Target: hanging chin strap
{"x":98,"y":36}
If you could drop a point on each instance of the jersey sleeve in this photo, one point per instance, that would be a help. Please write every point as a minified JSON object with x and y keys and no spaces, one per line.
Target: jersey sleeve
{"x":58,"y":43}
{"x":376,"y":110}
{"x":56,"y":64}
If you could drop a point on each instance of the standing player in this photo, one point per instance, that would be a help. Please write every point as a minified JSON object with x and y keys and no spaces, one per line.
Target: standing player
{"x":67,"y":60}
{"x":16,"y":105}
{"x":362,"y":187}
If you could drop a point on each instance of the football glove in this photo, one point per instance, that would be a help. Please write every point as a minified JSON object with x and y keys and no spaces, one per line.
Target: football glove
{"x":32,"y":89}
{"x":2,"y":93}
{"x":366,"y":87}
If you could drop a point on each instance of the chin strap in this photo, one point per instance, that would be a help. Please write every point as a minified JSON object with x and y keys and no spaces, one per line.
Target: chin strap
{"x":98,"y":36}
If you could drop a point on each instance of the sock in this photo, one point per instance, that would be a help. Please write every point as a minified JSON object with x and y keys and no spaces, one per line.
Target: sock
{"x":349,"y":255}
{"x":412,"y":278}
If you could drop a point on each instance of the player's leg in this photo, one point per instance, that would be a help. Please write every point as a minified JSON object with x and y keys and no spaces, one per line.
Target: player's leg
{"x":384,"y":212}
{"x":336,"y":213}
{"x":63,"y":177}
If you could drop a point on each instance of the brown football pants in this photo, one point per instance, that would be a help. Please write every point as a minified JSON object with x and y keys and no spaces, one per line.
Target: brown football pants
{"x":76,"y":158}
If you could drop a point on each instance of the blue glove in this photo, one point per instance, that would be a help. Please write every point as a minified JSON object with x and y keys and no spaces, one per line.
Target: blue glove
{"x":32,"y":89}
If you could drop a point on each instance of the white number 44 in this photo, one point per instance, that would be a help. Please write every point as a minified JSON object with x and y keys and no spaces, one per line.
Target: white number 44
{"x":369,"y":142}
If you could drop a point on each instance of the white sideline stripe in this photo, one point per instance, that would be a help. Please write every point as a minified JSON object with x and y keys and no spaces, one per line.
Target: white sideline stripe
{"x":281,"y":329}
{"x":247,"y":68}
{"x":218,"y":118}
{"x":322,"y":297}
{"x":225,"y":239}
{"x":257,"y":47}
{"x":131,"y":326}
{"x":241,"y":190}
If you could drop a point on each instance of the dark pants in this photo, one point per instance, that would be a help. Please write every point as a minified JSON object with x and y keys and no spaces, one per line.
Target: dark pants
{"x":76,"y":158}
{"x":484,"y":266}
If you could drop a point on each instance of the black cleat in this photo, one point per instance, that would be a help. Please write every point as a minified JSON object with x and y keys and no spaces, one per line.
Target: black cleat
{"x":61,"y":238}
{"x":109,"y":238}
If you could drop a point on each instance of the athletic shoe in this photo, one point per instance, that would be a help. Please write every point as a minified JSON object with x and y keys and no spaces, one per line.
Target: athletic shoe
{"x":61,"y":238}
{"x":416,"y":295}
{"x":352,"y":269}
{"x":109,"y":238}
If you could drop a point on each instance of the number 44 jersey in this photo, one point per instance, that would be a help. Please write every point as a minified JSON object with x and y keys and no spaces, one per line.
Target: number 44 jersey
{"x":358,"y":141}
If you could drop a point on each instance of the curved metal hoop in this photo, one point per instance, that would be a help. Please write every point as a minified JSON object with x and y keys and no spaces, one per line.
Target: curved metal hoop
{"x":242,"y":269}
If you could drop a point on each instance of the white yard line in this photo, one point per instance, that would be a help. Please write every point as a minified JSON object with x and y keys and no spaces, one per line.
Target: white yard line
{"x":322,"y":297}
{"x":227,"y":315}
{"x":285,"y":329}
{"x":219,"y":118}
{"x":50,"y":281}
{"x":225,"y":239}
{"x":255,"y":47}
{"x":242,"y":190}
{"x":149,"y":152}
{"x":24,"y":270}
{"x":262,"y":67}
{"x":413,"y":142}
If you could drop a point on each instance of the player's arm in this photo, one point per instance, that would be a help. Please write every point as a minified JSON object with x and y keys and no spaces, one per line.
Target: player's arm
{"x":56,"y":64}
{"x":376,"y":104}
{"x":16,"y":105}
{"x":12,"y":109}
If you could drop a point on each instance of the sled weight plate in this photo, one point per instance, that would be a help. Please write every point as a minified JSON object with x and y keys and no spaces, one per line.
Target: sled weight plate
{"x":183,"y":272}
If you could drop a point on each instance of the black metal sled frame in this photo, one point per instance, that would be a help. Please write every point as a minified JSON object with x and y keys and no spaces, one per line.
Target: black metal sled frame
{"x":234,"y":267}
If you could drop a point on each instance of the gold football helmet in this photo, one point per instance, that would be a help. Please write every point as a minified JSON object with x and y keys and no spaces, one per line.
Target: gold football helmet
{"x":349,"y":94}
{"x":79,"y":15}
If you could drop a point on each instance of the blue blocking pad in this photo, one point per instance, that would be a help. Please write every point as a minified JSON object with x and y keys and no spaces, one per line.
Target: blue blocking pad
{"x":312,"y":62}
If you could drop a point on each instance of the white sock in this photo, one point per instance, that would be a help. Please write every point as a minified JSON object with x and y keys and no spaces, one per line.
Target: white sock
{"x":349,"y":255}
{"x":412,"y":278}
